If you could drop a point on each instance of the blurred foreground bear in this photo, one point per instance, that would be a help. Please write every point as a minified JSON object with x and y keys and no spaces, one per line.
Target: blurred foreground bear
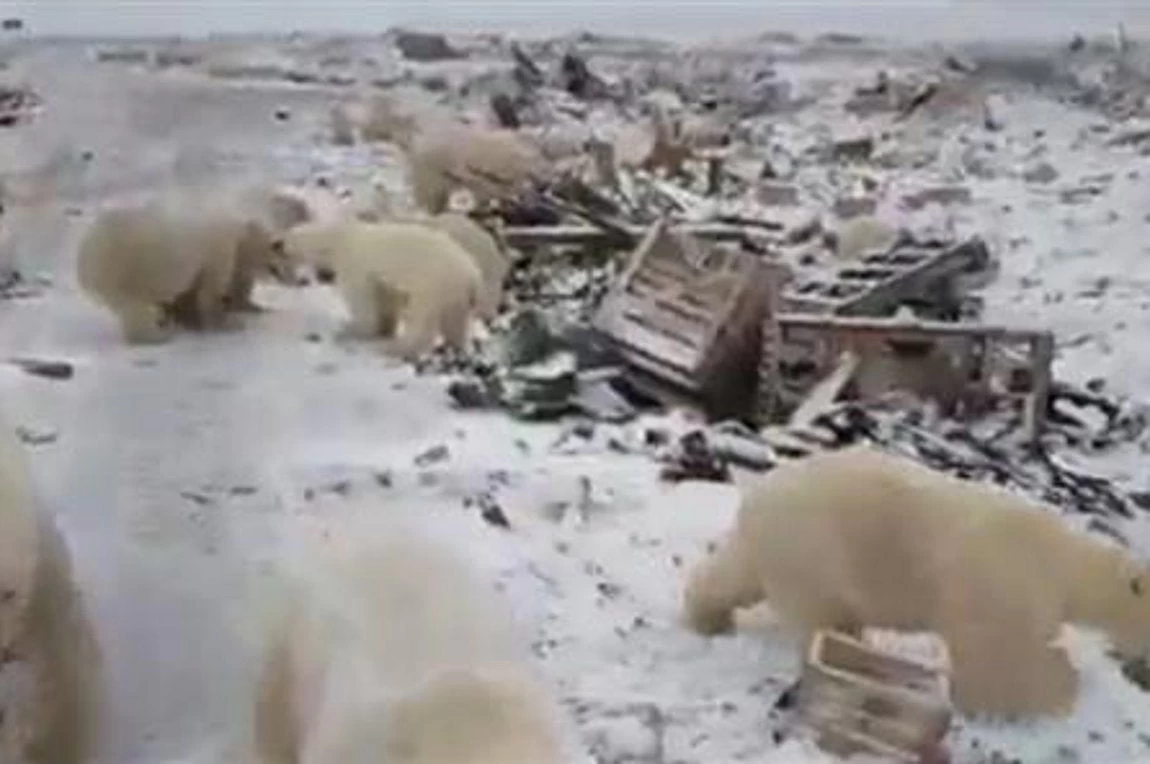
{"x":175,"y":261}
{"x":858,"y":538}
{"x":49,"y":661}
{"x":404,"y":281}
{"x":391,"y":651}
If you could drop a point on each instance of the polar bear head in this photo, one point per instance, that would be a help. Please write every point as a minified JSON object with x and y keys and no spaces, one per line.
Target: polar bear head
{"x":1111,"y":592}
{"x":313,"y":244}
{"x":257,"y":250}
{"x":1126,"y":613}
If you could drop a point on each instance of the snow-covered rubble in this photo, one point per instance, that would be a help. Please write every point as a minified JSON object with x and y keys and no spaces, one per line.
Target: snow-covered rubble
{"x":177,"y":471}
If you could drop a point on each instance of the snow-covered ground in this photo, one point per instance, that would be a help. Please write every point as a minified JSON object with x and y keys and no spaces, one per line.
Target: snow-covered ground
{"x":177,"y":471}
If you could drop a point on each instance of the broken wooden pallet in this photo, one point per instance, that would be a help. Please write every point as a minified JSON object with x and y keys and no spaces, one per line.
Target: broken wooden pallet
{"x":688,"y":320}
{"x":858,"y":699}
{"x":967,"y":368}
{"x":881,"y":281}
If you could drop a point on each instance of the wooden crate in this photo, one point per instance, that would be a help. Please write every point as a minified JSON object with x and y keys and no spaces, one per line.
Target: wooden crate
{"x":990,"y":363}
{"x":858,"y":699}
{"x":688,"y":319}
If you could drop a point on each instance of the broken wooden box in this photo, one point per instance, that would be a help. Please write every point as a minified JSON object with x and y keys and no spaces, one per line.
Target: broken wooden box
{"x":859,"y":700}
{"x":967,"y":369}
{"x":923,"y":276}
{"x":687,"y":319}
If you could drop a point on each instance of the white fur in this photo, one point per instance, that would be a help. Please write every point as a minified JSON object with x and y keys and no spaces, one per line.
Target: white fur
{"x":49,"y":690}
{"x":857,"y":538}
{"x":141,"y":260}
{"x":396,"y":274}
{"x":488,"y":162}
{"x":390,"y":650}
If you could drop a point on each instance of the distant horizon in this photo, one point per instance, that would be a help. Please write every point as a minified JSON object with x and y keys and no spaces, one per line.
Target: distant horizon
{"x":919,"y":20}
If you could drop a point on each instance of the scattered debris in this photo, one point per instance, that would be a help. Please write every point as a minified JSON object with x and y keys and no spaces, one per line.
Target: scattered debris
{"x":36,"y":437}
{"x":964,"y":368}
{"x":433,"y":455}
{"x":694,"y":459}
{"x":41,"y":368}
{"x":17,"y":104}
{"x":422,"y":46}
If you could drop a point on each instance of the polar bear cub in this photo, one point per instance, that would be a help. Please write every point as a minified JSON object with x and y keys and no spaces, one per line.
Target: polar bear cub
{"x":403,"y":275}
{"x":170,"y":260}
{"x":50,"y":664}
{"x":857,"y":538}
{"x":390,"y":650}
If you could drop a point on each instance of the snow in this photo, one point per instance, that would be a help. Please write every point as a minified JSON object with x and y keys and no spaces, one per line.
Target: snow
{"x":180,"y":471}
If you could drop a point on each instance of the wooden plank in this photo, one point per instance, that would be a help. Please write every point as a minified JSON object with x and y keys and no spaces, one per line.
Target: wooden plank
{"x":823,"y":395}
{"x":860,"y":327}
{"x":581,"y":235}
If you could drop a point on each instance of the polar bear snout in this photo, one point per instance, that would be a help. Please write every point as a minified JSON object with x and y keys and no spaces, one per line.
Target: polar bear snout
{"x":324,"y":274}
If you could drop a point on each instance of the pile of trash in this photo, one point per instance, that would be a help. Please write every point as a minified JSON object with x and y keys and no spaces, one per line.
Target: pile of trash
{"x":18,"y":104}
{"x":776,"y":302}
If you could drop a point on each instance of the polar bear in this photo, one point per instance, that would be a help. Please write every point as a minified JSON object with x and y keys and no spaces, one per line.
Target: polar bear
{"x":374,"y":205}
{"x":395,"y":273}
{"x":484,"y":246}
{"x":50,"y":665}
{"x":489,"y":162}
{"x":857,"y":538}
{"x":390,"y":649}
{"x":169,"y":261}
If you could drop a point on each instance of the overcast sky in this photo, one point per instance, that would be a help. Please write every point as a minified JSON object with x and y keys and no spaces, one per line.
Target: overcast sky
{"x":936,"y":18}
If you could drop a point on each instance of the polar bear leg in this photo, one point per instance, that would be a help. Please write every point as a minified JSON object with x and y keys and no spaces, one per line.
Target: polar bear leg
{"x":722,"y":583}
{"x":421,"y":324}
{"x":455,"y":324}
{"x":143,"y":323}
{"x":803,"y":613}
{"x":1001,"y":672}
{"x":363,"y":305}
{"x":239,"y":297}
{"x":390,"y":304}
{"x":212,"y":287}
{"x":1002,"y":659}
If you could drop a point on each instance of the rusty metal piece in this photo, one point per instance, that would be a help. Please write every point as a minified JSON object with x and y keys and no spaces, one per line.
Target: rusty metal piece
{"x":881,"y":281}
{"x":858,"y":699}
{"x":688,"y":318}
{"x":967,"y":368}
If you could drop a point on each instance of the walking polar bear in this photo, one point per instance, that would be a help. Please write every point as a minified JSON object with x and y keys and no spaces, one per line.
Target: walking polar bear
{"x":173,"y":261}
{"x":856,"y":538}
{"x":371,"y":203}
{"x":390,"y":650}
{"x":444,"y":154}
{"x":50,"y":664}
{"x":403,"y":281}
